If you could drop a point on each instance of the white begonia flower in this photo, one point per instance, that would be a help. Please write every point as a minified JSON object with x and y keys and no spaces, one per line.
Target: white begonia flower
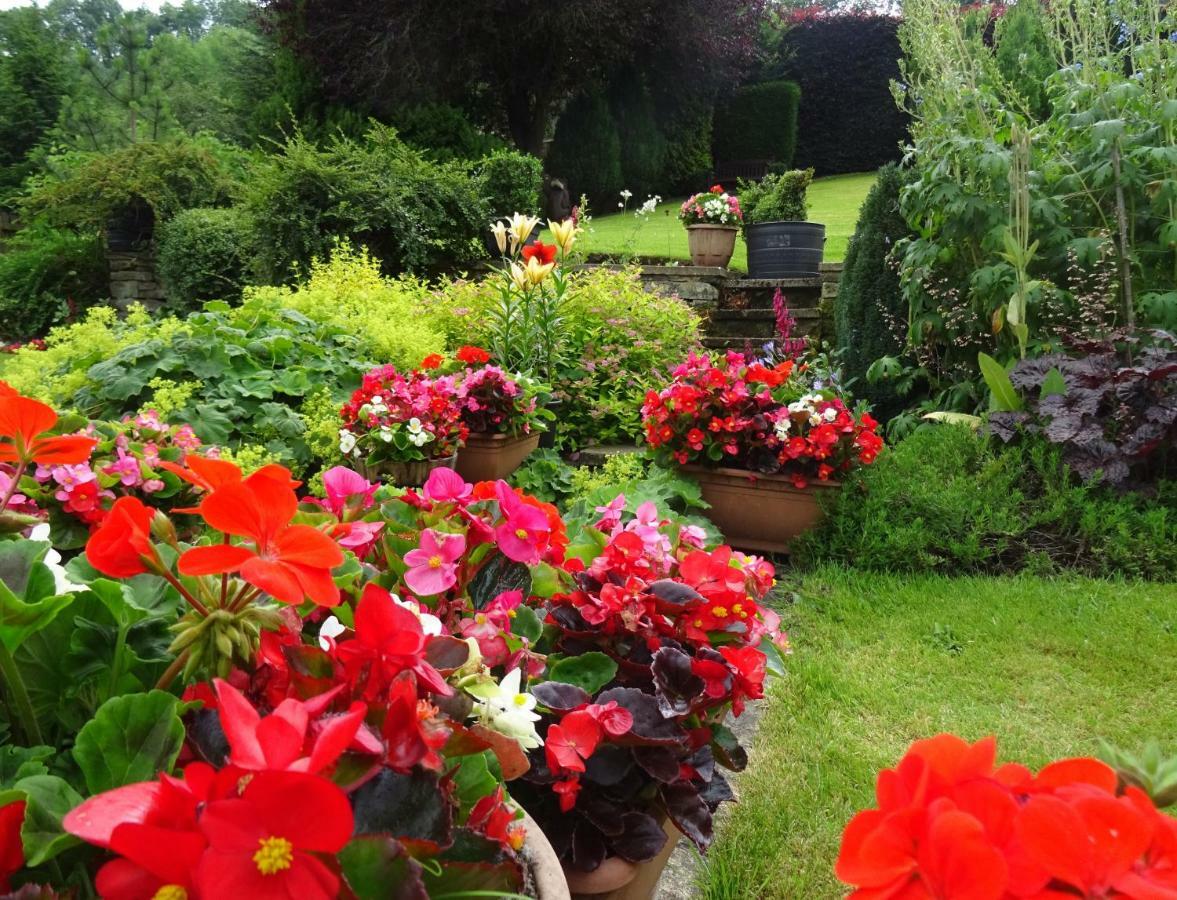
{"x":830,"y":414}
{"x":782,"y":427}
{"x":430,"y":624}
{"x":52,"y":562}
{"x":386,"y":434}
{"x":329,"y":630}
{"x":347,"y":441}
{"x":511,"y":712}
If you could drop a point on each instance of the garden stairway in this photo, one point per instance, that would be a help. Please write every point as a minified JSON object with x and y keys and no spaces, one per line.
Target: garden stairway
{"x":744,"y":313}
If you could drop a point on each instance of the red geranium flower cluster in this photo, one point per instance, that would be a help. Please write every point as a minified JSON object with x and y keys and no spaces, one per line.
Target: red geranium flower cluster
{"x":404,"y":416}
{"x":949,"y":823}
{"x":747,"y":415}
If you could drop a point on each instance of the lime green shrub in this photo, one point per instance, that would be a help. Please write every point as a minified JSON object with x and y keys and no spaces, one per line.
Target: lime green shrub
{"x":621,"y":342}
{"x":204,"y":255}
{"x":947,"y":500}
{"x":347,"y":291}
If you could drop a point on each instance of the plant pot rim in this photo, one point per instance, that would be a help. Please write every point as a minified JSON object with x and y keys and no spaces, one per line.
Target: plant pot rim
{"x":500,"y":436}
{"x":546,"y":871}
{"x":714,"y":225}
{"x":753,"y":476}
{"x":785,"y":222}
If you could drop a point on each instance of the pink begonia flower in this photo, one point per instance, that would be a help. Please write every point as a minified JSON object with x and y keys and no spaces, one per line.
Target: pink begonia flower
{"x":693,"y":536}
{"x":69,"y":477}
{"x":185,"y":438}
{"x":489,"y":627}
{"x":432,"y":566}
{"x":611,"y":513}
{"x":518,"y":535}
{"x":152,"y":485}
{"x":342,"y":485}
{"x":149,"y":420}
{"x":358,"y":536}
{"x":646,"y":526}
{"x":446,"y":486}
{"x":151,"y":454}
{"x":18,"y":502}
{"x":127,"y":468}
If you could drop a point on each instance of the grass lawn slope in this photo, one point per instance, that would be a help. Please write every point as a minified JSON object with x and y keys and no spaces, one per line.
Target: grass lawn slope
{"x":1046,"y":665}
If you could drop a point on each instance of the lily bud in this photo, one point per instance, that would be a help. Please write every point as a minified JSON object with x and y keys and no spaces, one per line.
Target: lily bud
{"x":499,"y":230}
{"x":564,"y":233}
{"x":518,"y":276}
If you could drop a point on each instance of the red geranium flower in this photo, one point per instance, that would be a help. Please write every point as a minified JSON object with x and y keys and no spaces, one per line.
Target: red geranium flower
{"x":288,"y":562}
{"x":24,"y":438}
{"x":12,"y":854}
{"x":472,"y":356}
{"x":262,"y":845}
{"x":121,"y":547}
{"x":432,"y":361}
{"x":545,"y":253}
{"x":571,"y":742}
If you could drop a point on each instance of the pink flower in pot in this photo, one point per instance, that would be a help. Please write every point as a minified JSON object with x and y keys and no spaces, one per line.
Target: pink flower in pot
{"x":433,"y":566}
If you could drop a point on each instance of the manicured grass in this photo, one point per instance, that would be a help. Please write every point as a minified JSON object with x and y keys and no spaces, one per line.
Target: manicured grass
{"x":833,"y":201}
{"x":1046,"y":665}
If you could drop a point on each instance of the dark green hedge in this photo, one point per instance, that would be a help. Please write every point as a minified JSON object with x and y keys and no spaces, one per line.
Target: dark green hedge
{"x":759,"y":121}
{"x":870,"y":312}
{"x":204,"y":255}
{"x":848,"y":120}
{"x":586,"y":151}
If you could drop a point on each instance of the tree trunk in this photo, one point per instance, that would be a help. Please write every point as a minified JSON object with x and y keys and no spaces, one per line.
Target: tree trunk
{"x":527,"y":118}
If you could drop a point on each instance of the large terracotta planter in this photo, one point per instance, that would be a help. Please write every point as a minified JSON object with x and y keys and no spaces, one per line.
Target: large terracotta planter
{"x":711,"y":245}
{"x":759,"y":512}
{"x":404,"y":474}
{"x":547,"y":875}
{"x":617,"y":879}
{"x":489,"y":457}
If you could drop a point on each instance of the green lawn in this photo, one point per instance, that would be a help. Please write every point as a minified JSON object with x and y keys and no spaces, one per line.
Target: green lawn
{"x":833,"y":201}
{"x":1046,"y":665}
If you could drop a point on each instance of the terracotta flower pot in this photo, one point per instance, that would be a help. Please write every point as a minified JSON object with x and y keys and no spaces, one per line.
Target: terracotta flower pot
{"x":404,"y":474}
{"x":489,"y":457}
{"x":547,"y":875}
{"x":618,"y":879}
{"x":711,"y":245}
{"x":759,"y":512}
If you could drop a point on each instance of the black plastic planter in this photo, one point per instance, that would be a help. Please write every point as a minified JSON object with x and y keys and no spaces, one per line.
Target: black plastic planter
{"x":784,"y":249}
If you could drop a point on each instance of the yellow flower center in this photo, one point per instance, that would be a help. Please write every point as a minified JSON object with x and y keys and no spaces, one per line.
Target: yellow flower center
{"x":435,"y":562}
{"x":719,"y":612}
{"x":521,"y":533}
{"x":520,"y":699}
{"x":170,"y":892}
{"x":275,"y":854}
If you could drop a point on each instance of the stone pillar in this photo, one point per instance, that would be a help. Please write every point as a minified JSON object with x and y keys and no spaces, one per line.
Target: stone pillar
{"x":133,"y":279}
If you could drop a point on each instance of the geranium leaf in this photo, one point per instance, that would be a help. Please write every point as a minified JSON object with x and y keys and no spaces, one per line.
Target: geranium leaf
{"x":21,"y":762}
{"x":27,"y":599}
{"x":377,"y":867}
{"x":49,"y":799}
{"x":131,"y":738}
{"x":411,"y":807}
{"x":590,"y":671}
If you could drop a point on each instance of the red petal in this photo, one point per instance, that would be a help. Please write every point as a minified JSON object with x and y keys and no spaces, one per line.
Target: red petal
{"x":239,"y":721}
{"x":1077,"y":771}
{"x":62,"y":451}
{"x":959,"y":861}
{"x":1053,"y":836}
{"x":277,"y":579}
{"x":25,"y":418}
{"x":169,"y":855}
{"x":214,"y":559}
{"x":307,"y":546}
{"x":878,"y":849}
{"x":96,"y":818}
{"x":281,"y":743}
{"x":316,"y":584}
{"x":309,"y":811}
{"x":336,"y":736}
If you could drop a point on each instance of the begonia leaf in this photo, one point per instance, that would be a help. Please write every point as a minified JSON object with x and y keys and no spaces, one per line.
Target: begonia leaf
{"x":689,"y":813}
{"x":378,"y":867}
{"x":590,"y":671}
{"x":409,"y":806}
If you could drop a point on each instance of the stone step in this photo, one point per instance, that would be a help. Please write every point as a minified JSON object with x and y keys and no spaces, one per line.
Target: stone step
{"x":728,"y":342}
{"x":760,"y":324}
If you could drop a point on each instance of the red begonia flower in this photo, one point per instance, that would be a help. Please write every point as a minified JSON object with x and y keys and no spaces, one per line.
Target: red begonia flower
{"x":262,"y":845}
{"x":545,"y":253}
{"x":12,"y":854}
{"x":389,"y":640}
{"x":155,"y":862}
{"x":571,"y":742}
{"x":288,"y":562}
{"x":287,"y":738}
{"x":24,"y":424}
{"x":412,"y":733}
{"x":121,"y":547}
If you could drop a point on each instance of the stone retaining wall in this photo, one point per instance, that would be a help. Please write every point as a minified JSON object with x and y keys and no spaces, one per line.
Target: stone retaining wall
{"x":133,"y":279}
